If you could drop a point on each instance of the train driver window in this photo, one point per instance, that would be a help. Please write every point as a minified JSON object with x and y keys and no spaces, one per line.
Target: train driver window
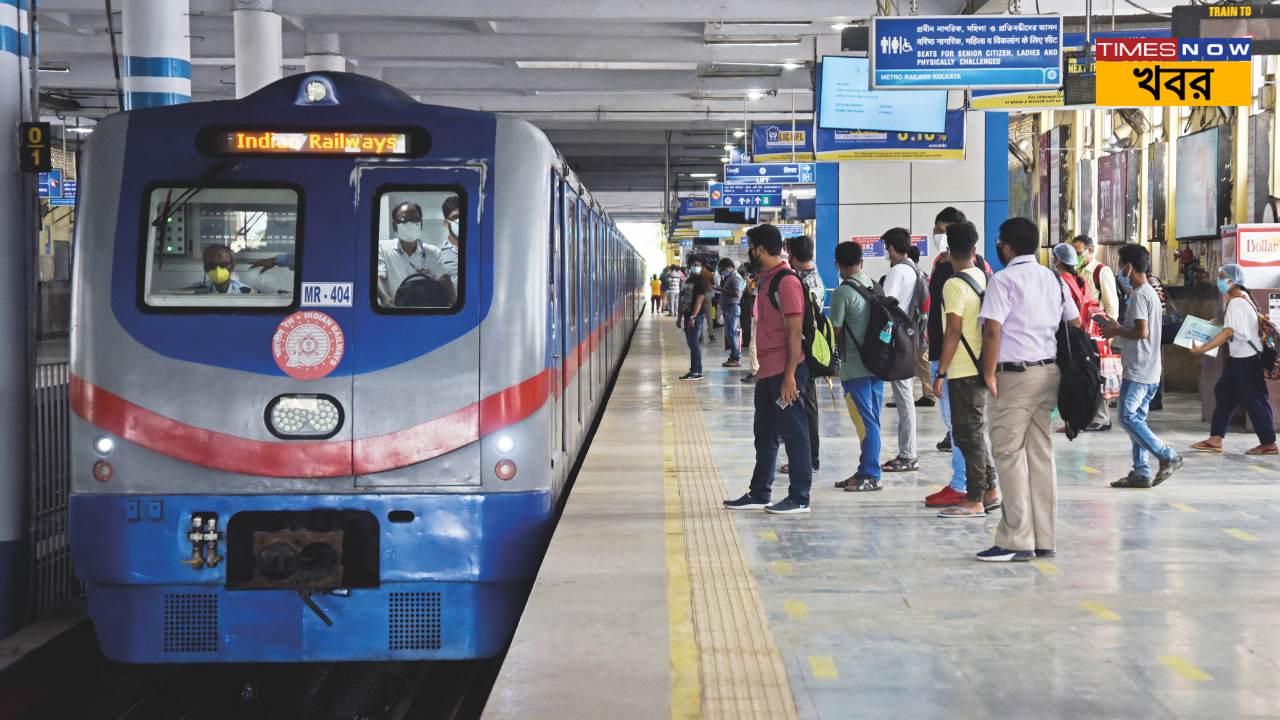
{"x":419,"y":241}
{"x":222,"y":248}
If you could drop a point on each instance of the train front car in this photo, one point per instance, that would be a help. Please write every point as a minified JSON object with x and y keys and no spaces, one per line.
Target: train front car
{"x":297,"y":435}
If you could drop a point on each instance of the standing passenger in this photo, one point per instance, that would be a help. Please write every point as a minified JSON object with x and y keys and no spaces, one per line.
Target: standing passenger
{"x":748,"y":322}
{"x":730,"y":309}
{"x":959,"y":371}
{"x":1140,"y":356}
{"x":778,"y":403}
{"x":1242,"y":382}
{"x":655,"y":294}
{"x":801,"y":250}
{"x":901,"y":283}
{"x":694,"y":319}
{"x":673,"y":291}
{"x":1101,"y":282}
{"x":863,"y":391}
{"x":1023,"y":307}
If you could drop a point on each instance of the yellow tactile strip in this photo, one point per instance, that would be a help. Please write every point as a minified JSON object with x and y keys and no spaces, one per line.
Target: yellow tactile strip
{"x":741,"y":670}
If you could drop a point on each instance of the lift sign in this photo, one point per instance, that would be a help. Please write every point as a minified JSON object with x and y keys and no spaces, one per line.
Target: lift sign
{"x":326,"y":294}
{"x":303,"y":143}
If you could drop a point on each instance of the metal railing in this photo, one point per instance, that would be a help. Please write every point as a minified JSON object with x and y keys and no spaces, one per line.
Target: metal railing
{"x":53,"y":584}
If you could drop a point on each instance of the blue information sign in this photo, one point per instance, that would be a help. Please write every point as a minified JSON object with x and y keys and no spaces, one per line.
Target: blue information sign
{"x":777,"y":173}
{"x":966,"y":52}
{"x":732,"y":195}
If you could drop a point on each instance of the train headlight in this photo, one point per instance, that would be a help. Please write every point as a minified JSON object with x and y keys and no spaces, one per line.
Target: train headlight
{"x":103,"y":445}
{"x":304,"y":416}
{"x":505,"y":444}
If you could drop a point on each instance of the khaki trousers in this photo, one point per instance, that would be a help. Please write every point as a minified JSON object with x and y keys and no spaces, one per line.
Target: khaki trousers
{"x":754,"y":364}
{"x":1023,"y":448}
{"x":925,"y":374}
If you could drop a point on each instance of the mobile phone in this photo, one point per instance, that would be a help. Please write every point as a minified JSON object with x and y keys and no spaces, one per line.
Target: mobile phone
{"x":1103,"y":320}
{"x":781,"y":404}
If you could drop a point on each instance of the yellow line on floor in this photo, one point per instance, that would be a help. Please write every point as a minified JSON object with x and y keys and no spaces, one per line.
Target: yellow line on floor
{"x":1091,"y":471}
{"x":1238,"y":533}
{"x":686,"y":687}
{"x":1184,"y":508}
{"x":768,"y":536}
{"x":1259,"y":468}
{"x":780,"y":567}
{"x":991,"y":530}
{"x":936,"y":488}
{"x":823,"y":667}
{"x":1046,"y":567}
{"x":797,"y":609}
{"x":1183,"y":667}
{"x":1100,"y":610}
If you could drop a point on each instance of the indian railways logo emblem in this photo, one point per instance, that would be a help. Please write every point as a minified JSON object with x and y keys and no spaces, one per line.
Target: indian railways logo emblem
{"x":308,"y":345}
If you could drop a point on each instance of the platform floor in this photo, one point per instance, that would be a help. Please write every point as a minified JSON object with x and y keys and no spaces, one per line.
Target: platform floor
{"x":655,"y":603}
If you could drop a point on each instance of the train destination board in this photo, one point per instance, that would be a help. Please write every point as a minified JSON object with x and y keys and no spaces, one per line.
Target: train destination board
{"x":966,"y":53}
{"x":325,"y":142}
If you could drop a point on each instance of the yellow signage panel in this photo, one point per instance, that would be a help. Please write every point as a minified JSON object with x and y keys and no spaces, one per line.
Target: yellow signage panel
{"x":1139,"y":84}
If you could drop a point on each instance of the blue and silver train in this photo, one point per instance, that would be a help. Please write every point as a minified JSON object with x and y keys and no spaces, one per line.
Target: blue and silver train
{"x":334,"y":353}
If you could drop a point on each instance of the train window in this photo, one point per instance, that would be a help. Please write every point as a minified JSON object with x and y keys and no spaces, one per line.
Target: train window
{"x":420,"y":235}
{"x":222,"y":247}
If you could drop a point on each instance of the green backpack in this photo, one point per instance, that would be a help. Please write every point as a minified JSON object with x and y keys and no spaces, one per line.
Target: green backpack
{"x":817,"y":337}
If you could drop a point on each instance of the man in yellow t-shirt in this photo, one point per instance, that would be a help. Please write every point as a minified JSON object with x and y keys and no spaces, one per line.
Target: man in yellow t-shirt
{"x":958,"y":368}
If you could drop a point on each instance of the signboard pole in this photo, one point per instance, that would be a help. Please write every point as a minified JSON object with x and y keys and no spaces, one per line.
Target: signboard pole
{"x":793,"y":127}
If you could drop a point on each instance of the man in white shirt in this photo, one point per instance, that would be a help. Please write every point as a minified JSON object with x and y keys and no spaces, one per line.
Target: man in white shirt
{"x":406,"y":255}
{"x":901,"y":283}
{"x":1022,"y":308}
{"x":1100,"y":281}
{"x":452,"y":213}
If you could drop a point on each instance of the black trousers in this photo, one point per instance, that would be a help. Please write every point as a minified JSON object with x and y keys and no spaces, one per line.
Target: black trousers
{"x":811,"y":410}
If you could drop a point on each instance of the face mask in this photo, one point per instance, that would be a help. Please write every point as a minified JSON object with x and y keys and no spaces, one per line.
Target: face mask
{"x":453,"y":228}
{"x":219,"y":275}
{"x":1224,"y":286}
{"x":696,"y":269}
{"x":1125,"y":282}
{"x":409,"y":231}
{"x":940,"y":239}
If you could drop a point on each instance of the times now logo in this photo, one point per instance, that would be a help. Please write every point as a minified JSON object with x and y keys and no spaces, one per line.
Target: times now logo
{"x":1170,"y":49}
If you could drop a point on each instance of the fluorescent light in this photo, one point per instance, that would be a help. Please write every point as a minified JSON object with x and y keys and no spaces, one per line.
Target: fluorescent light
{"x":739,"y":133}
{"x":790,"y":23}
{"x":730,"y":147}
{"x":724,"y":160}
{"x":756,"y":72}
{"x":79,"y":129}
{"x":750,"y":40}
{"x":55,"y":68}
{"x":703,"y":175}
{"x":755,"y":95}
{"x":791,"y":66}
{"x":611,"y":65}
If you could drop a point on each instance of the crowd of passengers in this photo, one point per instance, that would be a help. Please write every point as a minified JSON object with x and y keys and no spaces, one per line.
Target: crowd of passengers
{"x":989,"y":363}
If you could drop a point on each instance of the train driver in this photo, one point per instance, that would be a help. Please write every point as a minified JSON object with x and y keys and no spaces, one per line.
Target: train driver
{"x":219,"y":263}
{"x":405,"y":254}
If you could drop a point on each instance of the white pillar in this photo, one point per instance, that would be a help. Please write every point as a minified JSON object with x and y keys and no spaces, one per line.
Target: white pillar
{"x":156,"y":67}
{"x":259,"y":46}
{"x":17,"y":253}
{"x":323,"y":54}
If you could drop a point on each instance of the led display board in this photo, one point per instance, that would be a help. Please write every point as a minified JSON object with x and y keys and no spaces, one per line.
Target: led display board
{"x":846,"y":101}
{"x":230,"y":140}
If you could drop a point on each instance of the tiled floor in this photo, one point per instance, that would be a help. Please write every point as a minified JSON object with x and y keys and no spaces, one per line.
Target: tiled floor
{"x":1161,"y":603}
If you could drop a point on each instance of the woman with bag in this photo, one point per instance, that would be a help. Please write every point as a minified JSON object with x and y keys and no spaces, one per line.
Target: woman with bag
{"x":1242,"y":382}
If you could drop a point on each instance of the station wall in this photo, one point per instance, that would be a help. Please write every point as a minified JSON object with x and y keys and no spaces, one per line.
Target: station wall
{"x":863,"y":198}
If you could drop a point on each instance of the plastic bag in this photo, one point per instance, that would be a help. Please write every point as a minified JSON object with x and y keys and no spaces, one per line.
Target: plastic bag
{"x":1112,"y":374}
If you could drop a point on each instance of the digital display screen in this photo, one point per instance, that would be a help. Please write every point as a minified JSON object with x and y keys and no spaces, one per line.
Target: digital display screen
{"x":321,"y":142}
{"x":846,"y":101}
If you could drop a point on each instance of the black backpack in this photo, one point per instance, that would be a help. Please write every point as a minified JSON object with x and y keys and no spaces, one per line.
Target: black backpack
{"x":817,"y":339}
{"x":1081,"y":388}
{"x":891,"y":348}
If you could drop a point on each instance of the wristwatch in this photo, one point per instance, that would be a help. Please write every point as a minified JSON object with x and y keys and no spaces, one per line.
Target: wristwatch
{"x":940,"y":376}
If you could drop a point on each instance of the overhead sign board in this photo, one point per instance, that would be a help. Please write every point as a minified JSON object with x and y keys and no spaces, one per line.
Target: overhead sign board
{"x":876,"y":145}
{"x":966,"y":53}
{"x":732,"y":195}
{"x":1169,"y":72}
{"x":695,"y":208}
{"x":787,"y":230}
{"x":68,"y":198}
{"x":777,"y":173}
{"x":777,"y":143}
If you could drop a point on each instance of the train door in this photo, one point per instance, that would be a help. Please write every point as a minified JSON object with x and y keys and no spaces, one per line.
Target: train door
{"x":555,"y":318}
{"x":573,"y":300}
{"x":584,"y":306}
{"x":416,"y":345}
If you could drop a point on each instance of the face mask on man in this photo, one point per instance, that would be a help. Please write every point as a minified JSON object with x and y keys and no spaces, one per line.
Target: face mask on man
{"x":1224,"y":286}
{"x":1125,"y":282}
{"x":695,"y":269}
{"x":453,"y":228}
{"x":940,"y":240}
{"x":409,"y":231}
{"x":219,"y":275}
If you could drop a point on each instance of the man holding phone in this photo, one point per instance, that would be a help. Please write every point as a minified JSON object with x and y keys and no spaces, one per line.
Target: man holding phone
{"x":779,"y":407}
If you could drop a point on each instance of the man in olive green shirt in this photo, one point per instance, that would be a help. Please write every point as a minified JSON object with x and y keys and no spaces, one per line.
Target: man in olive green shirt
{"x":864,"y":392}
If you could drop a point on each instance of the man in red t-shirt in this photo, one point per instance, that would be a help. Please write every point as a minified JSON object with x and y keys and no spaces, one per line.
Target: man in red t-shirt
{"x":780,"y":411}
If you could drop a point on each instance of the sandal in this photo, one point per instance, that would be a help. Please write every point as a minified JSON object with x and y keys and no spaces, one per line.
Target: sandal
{"x":993,"y":506}
{"x":862,"y":485}
{"x":901,"y":464}
{"x":849,"y":481}
{"x":1262,"y":450}
{"x":960,"y":512}
{"x":1204,"y":445}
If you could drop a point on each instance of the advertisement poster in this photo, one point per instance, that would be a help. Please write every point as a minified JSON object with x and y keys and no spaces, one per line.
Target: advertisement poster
{"x":1111,"y":193}
{"x":773,"y":143}
{"x":873,"y":246}
{"x":865,"y":145}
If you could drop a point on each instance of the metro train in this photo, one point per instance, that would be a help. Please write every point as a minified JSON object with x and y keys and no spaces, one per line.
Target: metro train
{"x":280,"y":451}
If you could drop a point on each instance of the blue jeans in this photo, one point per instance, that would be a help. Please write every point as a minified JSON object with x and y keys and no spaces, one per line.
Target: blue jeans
{"x":958,"y":481}
{"x":692,"y":332}
{"x":865,"y":397}
{"x":731,"y":314}
{"x":789,"y":425}
{"x":1134,"y":400}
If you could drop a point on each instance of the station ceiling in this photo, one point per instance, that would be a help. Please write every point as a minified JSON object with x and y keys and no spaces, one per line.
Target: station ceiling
{"x":605,"y":79}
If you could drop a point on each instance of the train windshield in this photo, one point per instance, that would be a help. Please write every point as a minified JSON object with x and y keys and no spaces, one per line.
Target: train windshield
{"x":420,"y":240}
{"x":212,"y":247}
